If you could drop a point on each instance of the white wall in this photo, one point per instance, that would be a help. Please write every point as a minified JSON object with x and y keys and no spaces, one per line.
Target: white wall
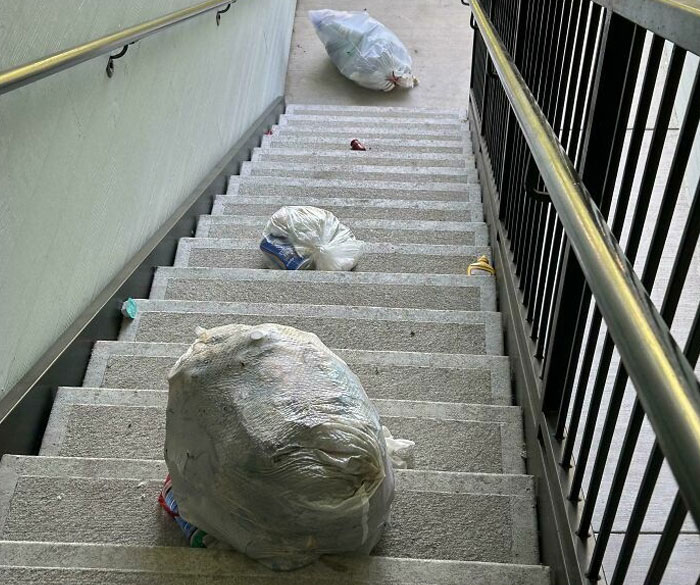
{"x":91,"y":166}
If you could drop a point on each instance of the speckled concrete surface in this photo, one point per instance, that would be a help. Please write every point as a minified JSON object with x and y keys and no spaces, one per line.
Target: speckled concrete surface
{"x":212,"y":567}
{"x":370,"y":230}
{"x":351,"y":334}
{"x":384,"y":145}
{"x":368,"y":328}
{"x":367,"y":133}
{"x":395,"y":260}
{"x":419,"y":191}
{"x":339,"y":119}
{"x":358,"y":173}
{"x":89,"y":501}
{"x":371,"y":111}
{"x":123,"y":431}
{"x":388,"y":209}
{"x":462,"y":293}
{"x":365,"y":158}
{"x":384,"y":375}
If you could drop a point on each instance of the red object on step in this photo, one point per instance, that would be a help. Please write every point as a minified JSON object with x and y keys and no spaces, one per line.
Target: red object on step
{"x":268,"y":132}
{"x":355,"y":144}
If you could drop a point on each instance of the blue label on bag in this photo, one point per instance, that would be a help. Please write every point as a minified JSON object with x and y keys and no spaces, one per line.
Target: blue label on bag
{"x":283,"y":253}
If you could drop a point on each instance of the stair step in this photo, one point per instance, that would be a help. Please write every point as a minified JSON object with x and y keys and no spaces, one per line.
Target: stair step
{"x":391,"y":209}
{"x":389,"y":145}
{"x":333,"y":123}
{"x":366,"y":158}
{"x":366,"y":328}
{"x":377,"y":257}
{"x":94,"y":422}
{"x":246,"y":285}
{"x":369,"y":230}
{"x":358,"y":172}
{"x":367,"y":133}
{"x":374,"y":111}
{"x":31,"y":563}
{"x":341,"y":189}
{"x":438,"y":515}
{"x":475,"y":379}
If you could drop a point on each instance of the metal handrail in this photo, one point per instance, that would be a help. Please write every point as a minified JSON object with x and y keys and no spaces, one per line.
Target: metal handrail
{"x":19,"y":76}
{"x":664,"y":380}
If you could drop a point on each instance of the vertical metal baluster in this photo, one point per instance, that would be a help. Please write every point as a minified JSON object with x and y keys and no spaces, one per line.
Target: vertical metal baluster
{"x":679,"y":273}
{"x":629,"y":172}
{"x":640,"y":214}
{"x":667,"y":542}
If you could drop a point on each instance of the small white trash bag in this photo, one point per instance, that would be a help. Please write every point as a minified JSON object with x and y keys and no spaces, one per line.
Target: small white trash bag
{"x":274,"y":448}
{"x":363,"y":49}
{"x":309,"y":238}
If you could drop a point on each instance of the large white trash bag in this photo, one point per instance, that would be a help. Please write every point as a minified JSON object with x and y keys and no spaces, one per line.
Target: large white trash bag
{"x":363,"y":49}
{"x":274,"y":448}
{"x":305,"y":237}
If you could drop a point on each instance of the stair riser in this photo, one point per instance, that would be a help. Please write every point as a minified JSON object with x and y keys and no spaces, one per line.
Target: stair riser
{"x":363,"y":209}
{"x":390,"y":263}
{"x":87,"y":501}
{"x":251,"y":227}
{"x":376,"y":294}
{"x":366,"y":328}
{"x":335,"y":120}
{"x":287,"y":187}
{"x":352,"y":157}
{"x":472,"y":380}
{"x":382,"y":145}
{"x":288,"y":170}
{"x":367,"y":134}
{"x":374,"y":112}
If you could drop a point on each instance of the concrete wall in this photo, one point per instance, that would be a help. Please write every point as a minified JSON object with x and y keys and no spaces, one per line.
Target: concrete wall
{"x":91,"y":166}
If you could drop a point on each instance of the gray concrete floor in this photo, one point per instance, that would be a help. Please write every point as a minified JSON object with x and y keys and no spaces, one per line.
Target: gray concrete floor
{"x":436,"y":32}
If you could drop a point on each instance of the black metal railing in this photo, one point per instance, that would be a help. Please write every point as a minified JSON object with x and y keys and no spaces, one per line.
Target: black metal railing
{"x":597,"y":80}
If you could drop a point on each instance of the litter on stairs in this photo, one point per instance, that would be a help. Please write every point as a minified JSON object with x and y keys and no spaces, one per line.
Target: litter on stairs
{"x":309,"y":238}
{"x":274,"y":449}
{"x":363,"y":49}
{"x":482,"y":264}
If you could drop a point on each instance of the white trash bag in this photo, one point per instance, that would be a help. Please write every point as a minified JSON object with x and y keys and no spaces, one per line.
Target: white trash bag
{"x":363,"y":49}
{"x":274,"y":448}
{"x":308,"y":238}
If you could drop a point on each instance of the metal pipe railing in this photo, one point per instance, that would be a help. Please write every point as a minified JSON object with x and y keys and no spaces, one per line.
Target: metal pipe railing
{"x":664,"y":380}
{"x":18,"y":76}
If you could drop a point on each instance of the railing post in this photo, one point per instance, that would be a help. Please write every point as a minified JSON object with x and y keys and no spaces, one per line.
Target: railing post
{"x":603,"y":138}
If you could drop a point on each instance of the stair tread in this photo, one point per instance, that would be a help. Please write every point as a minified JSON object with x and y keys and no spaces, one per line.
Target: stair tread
{"x":384,"y":375}
{"x":359,"y":208}
{"x":352,"y":189}
{"x":94,"y":422}
{"x":377,"y":256}
{"x":371,"y":328}
{"x":338,"y":118}
{"x":400,"y":111}
{"x":326,"y":288}
{"x":365,"y":158}
{"x":392,"y":145}
{"x":366,"y":133}
{"x":370,"y":230}
{"x":358,"y":172}
{"x":29,"y":563}
{"x":472,"y":516}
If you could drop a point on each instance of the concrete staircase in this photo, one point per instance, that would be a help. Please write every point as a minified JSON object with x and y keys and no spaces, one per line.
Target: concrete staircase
{"x":425,"y":340}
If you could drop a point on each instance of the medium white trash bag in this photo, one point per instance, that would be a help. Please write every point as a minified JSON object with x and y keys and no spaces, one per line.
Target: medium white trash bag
{"x":274,"y":448}
{"x":363,"y":49}
{"x":307,"y":238}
